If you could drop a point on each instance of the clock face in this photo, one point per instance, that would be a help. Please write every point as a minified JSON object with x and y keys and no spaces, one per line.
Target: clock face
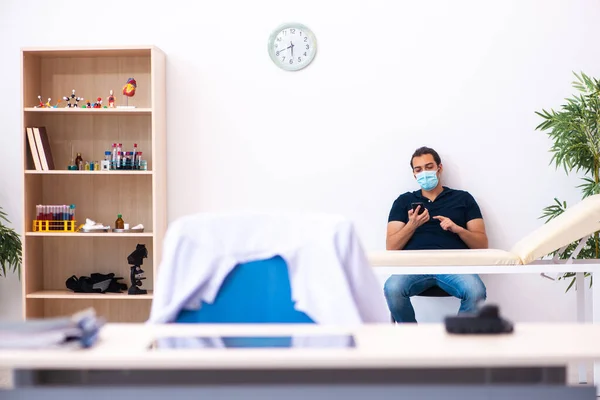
{"x":292,"y":46}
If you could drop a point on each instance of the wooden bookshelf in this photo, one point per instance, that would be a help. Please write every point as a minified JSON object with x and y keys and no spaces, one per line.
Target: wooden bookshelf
{"x":50,"y":258}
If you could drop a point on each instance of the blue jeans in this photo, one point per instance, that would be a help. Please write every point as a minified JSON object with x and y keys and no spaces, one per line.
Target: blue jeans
{"x":399,"y":288}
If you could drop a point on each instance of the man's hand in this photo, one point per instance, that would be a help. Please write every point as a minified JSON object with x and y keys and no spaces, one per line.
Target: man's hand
{"x":415,"y":220}
{"x":473,"y":235}
{"x":448,"y":225}
{"x":399,"y":233}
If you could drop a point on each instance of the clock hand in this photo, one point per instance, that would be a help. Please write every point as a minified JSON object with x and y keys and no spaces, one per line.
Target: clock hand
{"x":292,"y":48}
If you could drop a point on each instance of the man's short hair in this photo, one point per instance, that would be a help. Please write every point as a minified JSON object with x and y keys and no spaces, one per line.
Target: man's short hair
{"x":421,"y":151}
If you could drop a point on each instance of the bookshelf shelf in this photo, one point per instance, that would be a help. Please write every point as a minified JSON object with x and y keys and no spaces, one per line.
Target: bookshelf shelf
{"x":50,"y":258}
{"x":67,"y":172}
{"x":89,"y":111}
{"x":66,"y":294}
{"x":82,"y":235}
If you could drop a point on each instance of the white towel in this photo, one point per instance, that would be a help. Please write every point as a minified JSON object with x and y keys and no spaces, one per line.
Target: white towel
{"x":331,"y":279}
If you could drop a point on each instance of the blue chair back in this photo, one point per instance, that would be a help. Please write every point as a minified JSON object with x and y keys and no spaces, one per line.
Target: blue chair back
{"x":253,"y":292}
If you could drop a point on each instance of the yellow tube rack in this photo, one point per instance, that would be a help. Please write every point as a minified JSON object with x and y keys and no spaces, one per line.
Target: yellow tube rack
{"x":53,"y":226}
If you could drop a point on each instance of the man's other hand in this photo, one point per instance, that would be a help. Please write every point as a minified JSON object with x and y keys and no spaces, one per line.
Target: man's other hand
{"x":447,"y":224}
{"x":415,"y":219}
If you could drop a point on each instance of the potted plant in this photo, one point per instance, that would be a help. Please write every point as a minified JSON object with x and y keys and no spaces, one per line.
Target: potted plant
{"x":10,"y":247}
{"x":576,"y":148}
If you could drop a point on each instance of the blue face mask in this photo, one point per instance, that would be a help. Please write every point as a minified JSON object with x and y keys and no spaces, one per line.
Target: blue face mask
{"x":428,"y":180}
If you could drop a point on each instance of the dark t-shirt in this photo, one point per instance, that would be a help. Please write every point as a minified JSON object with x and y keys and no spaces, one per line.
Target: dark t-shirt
{"x":458,"y":205}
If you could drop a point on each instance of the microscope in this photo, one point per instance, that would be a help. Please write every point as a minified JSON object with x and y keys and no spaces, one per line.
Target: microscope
{"x":136,"y":259}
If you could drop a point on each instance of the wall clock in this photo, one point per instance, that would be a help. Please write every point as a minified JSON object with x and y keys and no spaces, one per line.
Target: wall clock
{"x":292,"y":46}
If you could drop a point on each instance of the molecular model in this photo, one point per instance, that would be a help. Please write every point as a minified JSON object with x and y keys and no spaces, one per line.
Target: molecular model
{"x":41,"y":104}
{"x":73,"y":98}
{"x":47,"y":104}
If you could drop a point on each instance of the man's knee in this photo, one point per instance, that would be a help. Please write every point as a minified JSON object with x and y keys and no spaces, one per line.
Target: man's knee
{"x":475,"y":290}
{"x":466,"y":287}
{"x":395,"y":286}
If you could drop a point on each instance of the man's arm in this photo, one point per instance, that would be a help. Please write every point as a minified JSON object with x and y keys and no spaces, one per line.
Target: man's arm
{"x":399,"y":233}
{"x":474,"y":235}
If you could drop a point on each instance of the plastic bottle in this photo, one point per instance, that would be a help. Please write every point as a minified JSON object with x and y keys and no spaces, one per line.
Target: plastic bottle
{"x":119,"y":223}
{"x":113,"y":164}
{"x":107,"y":162}
{"x":138,"y":162}
{"x":126,"y":155}
{"x":133,"y":156}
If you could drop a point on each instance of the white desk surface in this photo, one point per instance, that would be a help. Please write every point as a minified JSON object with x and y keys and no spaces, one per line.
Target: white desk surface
{"x":125,"y":346}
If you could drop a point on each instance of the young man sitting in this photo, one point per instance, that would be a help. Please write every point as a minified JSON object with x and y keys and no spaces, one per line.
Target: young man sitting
{"x":446,"y":219}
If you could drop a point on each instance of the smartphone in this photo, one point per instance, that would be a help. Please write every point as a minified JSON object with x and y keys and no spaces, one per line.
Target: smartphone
{"x":414,"y":207}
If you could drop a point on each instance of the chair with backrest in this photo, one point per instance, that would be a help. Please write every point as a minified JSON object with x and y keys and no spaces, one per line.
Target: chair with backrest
{"x":253,"y":292}
{"x":233,"y":268}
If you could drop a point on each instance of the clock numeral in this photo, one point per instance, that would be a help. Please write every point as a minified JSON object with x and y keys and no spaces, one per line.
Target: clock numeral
{"x":291,"y":60}
{"x":307,"y":47}
{"x":306,"y":38}
{"x":292,"y":31}
{"x":285,"y":32}
{"x":277,"y":53}
{"x":299,"y":59}
{"x":278,"y":39}
{"x":305,"y":54}
{"x":300,"y":33}
{"x":283,"y":59}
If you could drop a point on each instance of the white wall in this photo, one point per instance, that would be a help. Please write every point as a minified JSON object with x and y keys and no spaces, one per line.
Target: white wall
{"x":464,"y":77}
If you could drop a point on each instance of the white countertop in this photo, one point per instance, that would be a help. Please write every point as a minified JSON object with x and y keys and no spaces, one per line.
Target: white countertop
{"x":125,"y":346}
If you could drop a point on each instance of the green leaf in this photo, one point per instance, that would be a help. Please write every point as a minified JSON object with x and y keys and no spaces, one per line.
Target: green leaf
{"x":570,"y":285}
{"x":10,"y":248}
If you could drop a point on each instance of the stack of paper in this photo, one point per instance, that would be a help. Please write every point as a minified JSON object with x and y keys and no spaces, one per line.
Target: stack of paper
{"x":79,"y":330}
